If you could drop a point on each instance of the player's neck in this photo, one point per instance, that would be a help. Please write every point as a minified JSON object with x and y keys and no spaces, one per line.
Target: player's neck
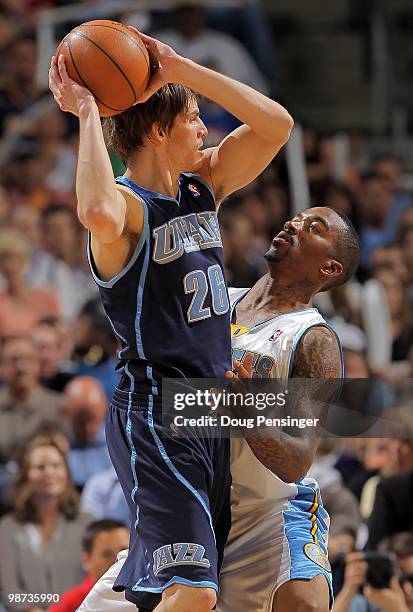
{"x":274,"y":295}
{"x":151,"y":170}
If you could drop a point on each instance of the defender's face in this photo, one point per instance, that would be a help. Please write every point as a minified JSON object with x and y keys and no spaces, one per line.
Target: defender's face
{"x":306,"y":242}
{"x":187,"y":138}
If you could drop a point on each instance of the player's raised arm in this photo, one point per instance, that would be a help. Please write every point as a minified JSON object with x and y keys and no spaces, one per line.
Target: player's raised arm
{"x":101,"y":208}
{"x":248,"y":150}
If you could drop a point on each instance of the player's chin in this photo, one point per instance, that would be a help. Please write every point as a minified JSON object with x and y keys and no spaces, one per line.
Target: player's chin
{"x":275,"y":254}
{"x":197,"y":161}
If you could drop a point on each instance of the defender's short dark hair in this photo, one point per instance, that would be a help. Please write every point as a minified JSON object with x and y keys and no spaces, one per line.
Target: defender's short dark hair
{"x":347,"y":249}
{"x":125,"y":133}
{"x":93,"y":530}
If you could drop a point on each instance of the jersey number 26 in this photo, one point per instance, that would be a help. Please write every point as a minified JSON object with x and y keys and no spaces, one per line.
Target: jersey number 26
{"x":199,"y":283}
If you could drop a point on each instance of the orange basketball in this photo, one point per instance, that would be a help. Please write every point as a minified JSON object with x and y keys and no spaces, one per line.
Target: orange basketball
{"x":110,"y":60}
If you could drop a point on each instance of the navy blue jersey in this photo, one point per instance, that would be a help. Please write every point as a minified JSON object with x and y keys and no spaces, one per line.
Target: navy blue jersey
{"x":169,"y":306}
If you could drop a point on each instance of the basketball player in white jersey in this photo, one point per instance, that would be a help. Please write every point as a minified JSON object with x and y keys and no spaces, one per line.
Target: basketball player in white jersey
{"x":276,"y":555}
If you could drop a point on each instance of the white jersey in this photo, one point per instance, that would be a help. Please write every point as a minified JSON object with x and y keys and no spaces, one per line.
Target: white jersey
{"x":260,"y":500}
{"x":274,"y":342}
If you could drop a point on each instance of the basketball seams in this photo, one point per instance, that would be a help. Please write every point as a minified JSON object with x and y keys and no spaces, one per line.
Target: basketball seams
{"x":125,"y":76}
{"x":129,"y":36}
{"x":69,"y":45}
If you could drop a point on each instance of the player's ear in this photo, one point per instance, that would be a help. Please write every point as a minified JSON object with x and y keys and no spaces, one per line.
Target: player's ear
{"x":331,"y":269}
{"x":157,"y":134}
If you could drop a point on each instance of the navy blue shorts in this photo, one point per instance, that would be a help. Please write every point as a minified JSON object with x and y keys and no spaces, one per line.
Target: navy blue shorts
{"x":178,"y":491}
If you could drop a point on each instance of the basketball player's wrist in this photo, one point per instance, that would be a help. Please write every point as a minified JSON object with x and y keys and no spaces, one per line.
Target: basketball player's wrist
{"x":87,"y":106}
{"x":182,"y":70}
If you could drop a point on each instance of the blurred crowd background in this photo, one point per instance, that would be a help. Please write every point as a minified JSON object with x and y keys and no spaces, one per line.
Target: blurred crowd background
{"x":344,"y":70}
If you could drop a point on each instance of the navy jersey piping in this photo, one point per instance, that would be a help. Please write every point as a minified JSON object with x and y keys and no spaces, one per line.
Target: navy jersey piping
{"x":121,"y":180}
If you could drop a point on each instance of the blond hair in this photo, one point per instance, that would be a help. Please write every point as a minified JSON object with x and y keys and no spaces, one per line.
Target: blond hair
{"x":14,"y":242}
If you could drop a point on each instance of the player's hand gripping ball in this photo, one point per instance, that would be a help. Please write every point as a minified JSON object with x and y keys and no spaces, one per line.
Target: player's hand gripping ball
{"x":110,"y":60}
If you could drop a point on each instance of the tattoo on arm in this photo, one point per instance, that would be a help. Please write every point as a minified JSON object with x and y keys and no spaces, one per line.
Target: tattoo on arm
{"x":289,"y":455}
{"x":317,"y":355}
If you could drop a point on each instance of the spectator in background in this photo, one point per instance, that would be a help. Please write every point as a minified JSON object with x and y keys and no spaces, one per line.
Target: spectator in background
{"x":45,"y":522}
{"x":24,"y":404}
{"x":62,"y":237}
{"x":23,"y":176}
{"x":406,"y":221}
{"x":58,"y":153}
{"x":244,"y":265}
{"x":398,"y":597}
{"x":342,"y":197}
{"x":376,"y":203}
{"x":249,"y":23}
{"x":102,"y":496}
{"x":95,"y":346}
{"x":17,"y":86}
{"x":5,"y":207}
{"x":389,"y":257}
{"x":406,"y":242}
{"x":46,"y":338}
{"x":401,"y":319}
{"x":318,"y":154}
{"x":21,"y":306}
{"x":192,"y":39}
{"x":394,"y":499}
{"x":45,"y":271}
{"x":84,"y":409}
{"x":390,"y":168}
{"x":102,"y":542}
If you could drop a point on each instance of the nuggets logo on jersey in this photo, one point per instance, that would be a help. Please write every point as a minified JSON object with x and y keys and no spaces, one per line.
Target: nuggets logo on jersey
{"x":315,"y":553}
{"x":186,"y":234}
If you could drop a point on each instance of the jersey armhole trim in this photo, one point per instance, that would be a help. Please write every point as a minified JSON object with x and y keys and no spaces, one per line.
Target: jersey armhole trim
{"x":233,"y":302}
{"x":142,"y":239}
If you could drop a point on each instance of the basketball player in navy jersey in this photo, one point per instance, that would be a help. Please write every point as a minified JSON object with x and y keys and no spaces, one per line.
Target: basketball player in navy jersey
{"x":155,"y":252}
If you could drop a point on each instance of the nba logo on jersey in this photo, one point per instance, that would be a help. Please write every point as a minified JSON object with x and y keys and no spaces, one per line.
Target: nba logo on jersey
{"x":275,"y":335}
{"x":194,"y":190}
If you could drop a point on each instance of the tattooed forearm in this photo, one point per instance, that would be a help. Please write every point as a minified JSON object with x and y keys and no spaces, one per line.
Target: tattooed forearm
{"x":288,"y":457}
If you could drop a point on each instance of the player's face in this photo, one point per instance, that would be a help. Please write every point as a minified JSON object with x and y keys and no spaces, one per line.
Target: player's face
{"x":47,"y":474}
{"x":187,"y":138}
{"x":306,"y":242}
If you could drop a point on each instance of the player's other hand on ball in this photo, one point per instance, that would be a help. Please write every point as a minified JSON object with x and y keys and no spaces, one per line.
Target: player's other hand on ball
{"x":68,"y":94}
{"x":164,"y":64}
